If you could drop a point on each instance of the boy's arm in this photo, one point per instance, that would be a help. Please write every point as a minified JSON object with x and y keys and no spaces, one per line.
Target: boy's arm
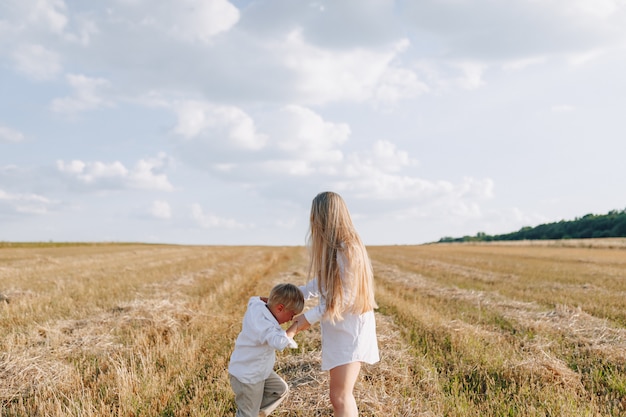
{"x":279,"y":339}
{"x":292,"y":330}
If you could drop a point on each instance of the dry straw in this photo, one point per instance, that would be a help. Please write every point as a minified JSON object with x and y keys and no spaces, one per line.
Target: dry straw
{"x":464,"y":330}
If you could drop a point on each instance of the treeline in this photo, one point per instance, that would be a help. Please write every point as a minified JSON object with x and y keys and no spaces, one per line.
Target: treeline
{"x":612,"y":224}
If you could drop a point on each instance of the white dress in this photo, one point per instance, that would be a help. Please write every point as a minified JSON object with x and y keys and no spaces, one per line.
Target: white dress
{"x":352,"y":339}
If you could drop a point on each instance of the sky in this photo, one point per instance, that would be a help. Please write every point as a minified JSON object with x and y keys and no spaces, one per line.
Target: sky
{"x":217,"y":122}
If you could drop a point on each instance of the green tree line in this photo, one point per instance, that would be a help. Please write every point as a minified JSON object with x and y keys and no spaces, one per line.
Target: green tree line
{"x":612,"y":224}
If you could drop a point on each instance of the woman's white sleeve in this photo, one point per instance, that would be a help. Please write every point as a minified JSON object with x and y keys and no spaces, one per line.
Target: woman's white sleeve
{"x":310,"y":290}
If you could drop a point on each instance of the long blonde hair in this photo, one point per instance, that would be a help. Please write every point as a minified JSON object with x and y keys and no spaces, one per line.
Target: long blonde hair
{"x":331,"y":233}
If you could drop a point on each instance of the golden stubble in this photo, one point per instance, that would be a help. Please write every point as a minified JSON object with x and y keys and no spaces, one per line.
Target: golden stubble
{"x":464,"y":330}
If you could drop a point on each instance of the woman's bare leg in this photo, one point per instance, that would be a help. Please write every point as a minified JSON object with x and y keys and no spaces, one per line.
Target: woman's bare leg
{"x":342,"y":380}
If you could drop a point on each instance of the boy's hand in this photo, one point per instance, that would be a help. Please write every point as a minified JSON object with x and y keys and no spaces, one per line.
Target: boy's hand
{"x":292,"y":330}
{"x":302,"y":322}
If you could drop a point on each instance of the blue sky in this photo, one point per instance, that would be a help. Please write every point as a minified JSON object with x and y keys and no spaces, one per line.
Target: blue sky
{"x":216,"y":122}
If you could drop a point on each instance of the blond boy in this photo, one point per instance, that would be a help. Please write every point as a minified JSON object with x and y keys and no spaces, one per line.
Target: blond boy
{"x":258,"y":389}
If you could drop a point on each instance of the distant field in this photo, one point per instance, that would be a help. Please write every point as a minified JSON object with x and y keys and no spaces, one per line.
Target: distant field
{"x":496,"y":329}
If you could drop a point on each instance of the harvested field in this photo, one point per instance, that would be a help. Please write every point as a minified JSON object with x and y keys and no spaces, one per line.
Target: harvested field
{"x":494,"y":329}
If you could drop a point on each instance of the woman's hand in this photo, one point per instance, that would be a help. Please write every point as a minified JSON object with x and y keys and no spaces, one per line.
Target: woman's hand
{"x":303,"y":323}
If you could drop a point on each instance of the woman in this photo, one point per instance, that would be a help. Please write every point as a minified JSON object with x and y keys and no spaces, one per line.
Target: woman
{"x":343,"y":281}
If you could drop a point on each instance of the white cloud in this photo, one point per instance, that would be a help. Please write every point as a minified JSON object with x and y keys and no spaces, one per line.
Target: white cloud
{"x":10,"y":135}
{"x":302,"y":132}
{"x":201,"y":19}
{"x":50,"y":13}
{"x":37,"y":62}
{"x":47,"y":21}
{"x":211,"y":221}
{"x":332,"y":25}
{"x":442,"y":200}
{"x":472,"y":73}
{"x":492,"y":31}
{"x":187,"y":20}
{"x":161,"y":209}
{"x":305,"y":151}
{"x":377,"y":175}
{"x":383,"y":157}
{"x":87,"y":95}
{"x":91,"y":172}
{"x":299,"y":142}
{"x":219,"y":123}
{"x":474,"y":188}
{"x":84,"y":29}
{"x":377,"y":185}
{"x":106,"y":176}
{"x":357,"y":74}
{"x":147,"y":174}
{"x":397,"y":84}
{"x":24,"y":203}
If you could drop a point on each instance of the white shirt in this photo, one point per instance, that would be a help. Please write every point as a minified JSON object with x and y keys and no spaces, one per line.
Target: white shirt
{"x":254,"y":355}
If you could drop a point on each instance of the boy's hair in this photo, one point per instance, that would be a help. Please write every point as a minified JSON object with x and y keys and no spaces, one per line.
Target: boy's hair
{"x":288,"y":295}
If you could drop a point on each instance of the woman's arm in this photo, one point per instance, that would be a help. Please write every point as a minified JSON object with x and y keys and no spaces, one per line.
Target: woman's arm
{"x":313,"y":315}
{"x":301,"y":323}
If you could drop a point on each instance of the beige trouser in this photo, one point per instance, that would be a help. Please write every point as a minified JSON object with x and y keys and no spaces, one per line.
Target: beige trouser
{"x":259,"y":399}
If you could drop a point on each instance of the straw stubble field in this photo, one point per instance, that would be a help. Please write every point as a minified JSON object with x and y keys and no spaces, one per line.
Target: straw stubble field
{"x":464,"y":330}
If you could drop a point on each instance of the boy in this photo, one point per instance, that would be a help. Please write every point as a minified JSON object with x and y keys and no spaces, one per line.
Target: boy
{"x":258,"y":389}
